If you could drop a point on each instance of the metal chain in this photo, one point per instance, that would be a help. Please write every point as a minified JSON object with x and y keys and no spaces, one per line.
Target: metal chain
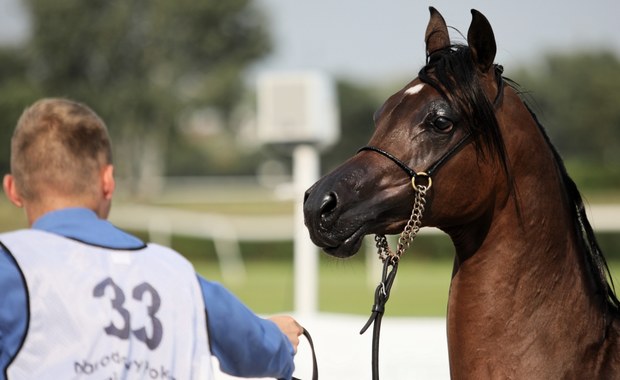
{"x":390,"y":266}
{"x":410,"y":231}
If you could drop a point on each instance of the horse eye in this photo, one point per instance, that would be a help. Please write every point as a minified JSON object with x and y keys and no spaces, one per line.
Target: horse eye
{"x":443,"y":124}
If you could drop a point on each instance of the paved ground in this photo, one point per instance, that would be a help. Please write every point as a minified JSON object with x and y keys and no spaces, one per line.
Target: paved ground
{"x":411,"y":349}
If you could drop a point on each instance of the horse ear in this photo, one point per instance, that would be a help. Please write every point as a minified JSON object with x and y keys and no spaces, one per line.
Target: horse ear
{"x":437,"y":36}
{"x":481,"y":41}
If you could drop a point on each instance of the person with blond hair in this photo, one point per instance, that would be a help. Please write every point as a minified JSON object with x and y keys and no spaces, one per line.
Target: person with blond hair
{"x":83,"y":299}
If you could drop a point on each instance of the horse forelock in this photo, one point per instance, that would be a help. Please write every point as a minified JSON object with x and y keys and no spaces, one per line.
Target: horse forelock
{"x":452,"y":72}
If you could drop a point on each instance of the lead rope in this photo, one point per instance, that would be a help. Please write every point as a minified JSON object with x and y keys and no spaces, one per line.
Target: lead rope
{"x":315,"y":368}
{"x":390,"y":261}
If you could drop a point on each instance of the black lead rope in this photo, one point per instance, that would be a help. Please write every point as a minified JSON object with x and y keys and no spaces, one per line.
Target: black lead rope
{"x":382,"y":294}
{"x":315,"y":367}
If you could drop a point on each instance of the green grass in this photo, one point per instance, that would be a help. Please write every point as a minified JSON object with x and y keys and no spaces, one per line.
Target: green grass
{"x":421,"y":287}
{"x":11,"y":217}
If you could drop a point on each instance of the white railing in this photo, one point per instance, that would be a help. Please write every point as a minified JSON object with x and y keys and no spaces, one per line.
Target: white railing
{"x":226,"y":231}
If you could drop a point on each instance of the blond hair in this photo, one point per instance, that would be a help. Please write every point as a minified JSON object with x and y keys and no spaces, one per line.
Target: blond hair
{"x":59,"y":146}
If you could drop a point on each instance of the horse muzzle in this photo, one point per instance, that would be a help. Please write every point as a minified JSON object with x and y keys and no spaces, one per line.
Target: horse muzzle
{"x":351,"y":202}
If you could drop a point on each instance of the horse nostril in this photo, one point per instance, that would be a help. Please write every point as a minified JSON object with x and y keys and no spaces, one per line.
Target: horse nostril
{"x":329,"y":203}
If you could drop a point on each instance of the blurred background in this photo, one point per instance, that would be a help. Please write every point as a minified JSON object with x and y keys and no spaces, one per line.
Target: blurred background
{"x":176,"y":83}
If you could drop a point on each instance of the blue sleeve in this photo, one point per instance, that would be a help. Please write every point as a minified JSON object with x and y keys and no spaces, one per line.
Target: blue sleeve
{"x":13,"y":310}
{"x":245,"y":344}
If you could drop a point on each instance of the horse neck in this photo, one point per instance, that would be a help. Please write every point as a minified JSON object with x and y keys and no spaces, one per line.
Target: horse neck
{"x":525,"y":248}
{"x":521,"y":269}
{"x":529,"y":222}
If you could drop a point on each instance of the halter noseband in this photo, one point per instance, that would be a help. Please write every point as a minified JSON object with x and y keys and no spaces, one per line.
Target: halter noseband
{"x":428,"y":172}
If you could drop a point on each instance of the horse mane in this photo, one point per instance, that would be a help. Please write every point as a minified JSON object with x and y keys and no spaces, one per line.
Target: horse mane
{"x":585,"y":233}
{"x":452,"y":72}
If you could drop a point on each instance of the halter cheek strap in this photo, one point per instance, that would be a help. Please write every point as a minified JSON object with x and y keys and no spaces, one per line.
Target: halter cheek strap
{"x":427,"y":173}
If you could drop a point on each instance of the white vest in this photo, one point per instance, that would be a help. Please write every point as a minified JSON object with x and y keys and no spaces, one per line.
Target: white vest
{"x":97,"y":313}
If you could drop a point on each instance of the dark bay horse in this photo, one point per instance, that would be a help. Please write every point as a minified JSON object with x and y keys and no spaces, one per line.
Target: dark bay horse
{"x":530,"y":296}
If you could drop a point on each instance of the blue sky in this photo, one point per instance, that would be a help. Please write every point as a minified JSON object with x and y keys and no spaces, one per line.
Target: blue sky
{"x":376,"y":40}
{"x":383,"y":39}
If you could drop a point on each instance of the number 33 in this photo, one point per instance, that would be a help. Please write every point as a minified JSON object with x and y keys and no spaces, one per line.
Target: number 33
{"x":118,"y":301}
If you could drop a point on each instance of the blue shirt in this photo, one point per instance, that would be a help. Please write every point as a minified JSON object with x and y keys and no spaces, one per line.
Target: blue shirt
{"x":245,"y":344}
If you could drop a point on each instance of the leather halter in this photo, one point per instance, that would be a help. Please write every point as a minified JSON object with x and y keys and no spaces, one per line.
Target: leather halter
{"x":428,"y":172}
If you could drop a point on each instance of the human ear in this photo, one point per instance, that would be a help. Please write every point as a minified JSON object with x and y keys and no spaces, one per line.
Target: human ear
{"x":11,"y":191}
{"x":108,"y":183}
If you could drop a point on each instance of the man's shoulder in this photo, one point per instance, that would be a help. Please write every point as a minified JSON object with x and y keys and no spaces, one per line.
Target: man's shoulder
{"x":27,"y":235}
{"x":22,"y":233}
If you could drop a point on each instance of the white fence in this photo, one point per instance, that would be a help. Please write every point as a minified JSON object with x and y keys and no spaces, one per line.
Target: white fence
{"x":226,"y":231}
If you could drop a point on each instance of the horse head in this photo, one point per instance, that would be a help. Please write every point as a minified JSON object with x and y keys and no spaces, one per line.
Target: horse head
{"x":432,"y":128}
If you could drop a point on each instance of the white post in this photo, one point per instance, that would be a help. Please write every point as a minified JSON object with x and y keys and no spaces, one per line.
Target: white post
{"x":305,"y":173}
